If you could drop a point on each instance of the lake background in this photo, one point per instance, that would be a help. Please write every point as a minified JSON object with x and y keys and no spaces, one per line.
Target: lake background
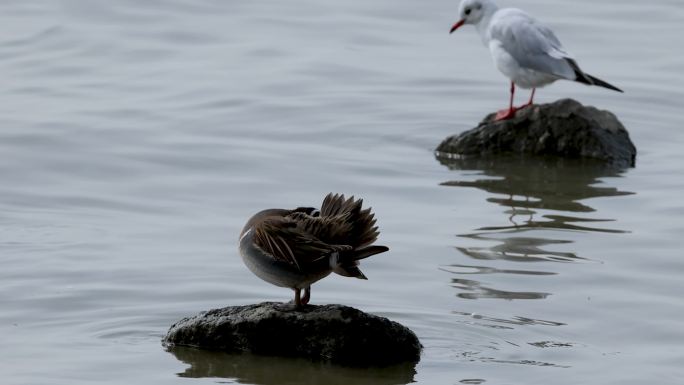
{"x":137,"y":138}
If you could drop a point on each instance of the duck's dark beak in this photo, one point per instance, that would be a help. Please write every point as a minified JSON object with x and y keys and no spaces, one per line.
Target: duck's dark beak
{"x":457,"y":26}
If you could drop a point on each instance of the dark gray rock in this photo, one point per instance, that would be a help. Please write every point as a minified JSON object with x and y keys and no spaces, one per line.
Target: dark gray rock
{"x":334,"y":333}
{"x":564,"y":128}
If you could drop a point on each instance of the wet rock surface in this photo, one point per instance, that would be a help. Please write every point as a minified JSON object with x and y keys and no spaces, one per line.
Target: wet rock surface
{"x":564,"y":128}
{"x":333,"y":333}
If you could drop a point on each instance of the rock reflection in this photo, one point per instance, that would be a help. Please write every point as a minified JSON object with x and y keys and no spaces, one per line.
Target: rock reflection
{"x":540,"y":184}
{"x":528,"y":188}
{"x":250,"y":369}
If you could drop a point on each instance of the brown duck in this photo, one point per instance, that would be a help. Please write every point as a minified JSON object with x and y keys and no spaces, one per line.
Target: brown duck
{"x":295,"y":248}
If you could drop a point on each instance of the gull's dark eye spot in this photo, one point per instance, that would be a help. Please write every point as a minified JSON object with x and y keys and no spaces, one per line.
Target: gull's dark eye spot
{"x":467,"y":11}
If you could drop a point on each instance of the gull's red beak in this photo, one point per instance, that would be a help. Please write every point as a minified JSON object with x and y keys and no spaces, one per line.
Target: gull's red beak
{"x":457,"y":26}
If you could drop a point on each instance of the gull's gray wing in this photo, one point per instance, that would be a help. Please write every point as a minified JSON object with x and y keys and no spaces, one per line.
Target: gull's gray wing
{"x":531,"y":44}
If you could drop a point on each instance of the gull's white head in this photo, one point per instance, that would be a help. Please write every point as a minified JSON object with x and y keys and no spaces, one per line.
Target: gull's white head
{"x":473,"y":12}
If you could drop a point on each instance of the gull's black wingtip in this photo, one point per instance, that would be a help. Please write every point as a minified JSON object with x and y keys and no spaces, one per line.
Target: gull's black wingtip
{"x":598,"y":82}
{"x":594,"y":81}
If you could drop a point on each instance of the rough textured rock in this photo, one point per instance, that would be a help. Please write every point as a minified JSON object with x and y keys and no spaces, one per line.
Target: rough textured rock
{"x":333,"y":333}
{"x":564,"y":128}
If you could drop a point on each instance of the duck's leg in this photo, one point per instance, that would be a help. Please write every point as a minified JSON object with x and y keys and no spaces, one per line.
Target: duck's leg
{"x":297,"y":299}
{"x":293,"y":305}
{"x":510,"y":112}
{"x":307,"y":295}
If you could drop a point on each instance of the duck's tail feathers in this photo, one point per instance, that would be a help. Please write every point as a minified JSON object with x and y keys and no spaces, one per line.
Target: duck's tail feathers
{"x":349,"y":266}
{"x":349,"y":271}
{"x":368,"y":251}
{"x":364,"y":232}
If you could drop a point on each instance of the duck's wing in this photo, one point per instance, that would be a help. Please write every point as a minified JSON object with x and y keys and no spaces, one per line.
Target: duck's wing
{"x":335,"y":229}
{"x":346,"y":223}
{"x":287,"y":240}
{"x":343,"y":226}
{"x":532,"y":44}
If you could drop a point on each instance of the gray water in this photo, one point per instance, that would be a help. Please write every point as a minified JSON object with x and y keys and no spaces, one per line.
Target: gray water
{"x":138,"y":136}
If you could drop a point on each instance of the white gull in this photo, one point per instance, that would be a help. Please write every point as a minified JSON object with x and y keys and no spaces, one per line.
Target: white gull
{"x":523,"y":49}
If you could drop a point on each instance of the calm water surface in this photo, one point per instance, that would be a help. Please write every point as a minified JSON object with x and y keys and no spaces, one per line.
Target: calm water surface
{"x":137,"y":137}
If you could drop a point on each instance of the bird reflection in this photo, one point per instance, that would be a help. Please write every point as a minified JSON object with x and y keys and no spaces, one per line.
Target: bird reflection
{"x":251,"y":369}
{"x":517,"y":249}
{"x":477,"y":291}
{"x":540,"y":184}
{"x":528,"y":188}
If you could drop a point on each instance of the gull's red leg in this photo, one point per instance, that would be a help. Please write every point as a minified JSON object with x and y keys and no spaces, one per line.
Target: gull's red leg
{"x":510,"y":112}
{"x":531,"y":101}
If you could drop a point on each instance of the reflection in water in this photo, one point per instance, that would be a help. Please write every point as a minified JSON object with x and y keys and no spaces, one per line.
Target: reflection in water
{"x":477,"y":291}
{"x":478,"y":357}
{"x":528,"y":189}
{"x":497,"y":323}
{"x":540,"y":184}
{"x":525,"y":187}
{"x":250,"y":369}
{"x":552,"y":344}
{"x":555,"y":222}
{"x":517,"y":249}
{"x":552,"y":184}
{"x":522,"y":362}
